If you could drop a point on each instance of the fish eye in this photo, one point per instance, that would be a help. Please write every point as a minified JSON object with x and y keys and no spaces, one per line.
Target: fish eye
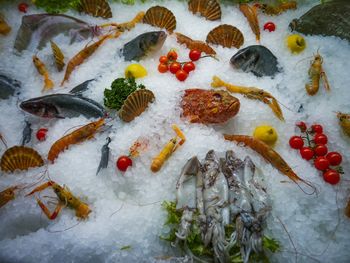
{"x":217,"y":96}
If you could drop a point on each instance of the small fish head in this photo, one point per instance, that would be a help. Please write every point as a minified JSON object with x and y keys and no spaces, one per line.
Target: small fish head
{"x":39,"y":108}
{"x":245,"y":59}
{"x":293,"y":25}
{"x":157,"y":38}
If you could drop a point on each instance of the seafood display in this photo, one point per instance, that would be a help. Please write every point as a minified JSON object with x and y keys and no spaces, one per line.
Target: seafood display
{"x":40,"y":66}
{"x":256,"y":59}
{"x":250,"y":12}
{"x":8,"y":87}
{"x":143,"y":45}
{"x":210,"y":9}
{"x":225,"y":203}
{"x":20,"y":158}
{"x":160,"y":16}
{"x":62,"y":106}
{"x":208,"y":106}
{"x":65,"y":198}
{"x":316,"y":73}
{"x":226,"y":36}
{"x":82,"y":134}
{"x":320,"y":20}
{"x":251,"y":93}
{"x":37,"y":30}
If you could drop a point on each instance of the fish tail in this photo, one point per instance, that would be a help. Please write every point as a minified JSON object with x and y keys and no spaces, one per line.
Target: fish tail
{"x":48,"y":83}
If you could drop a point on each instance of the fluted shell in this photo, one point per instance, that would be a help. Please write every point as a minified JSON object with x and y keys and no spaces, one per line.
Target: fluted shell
{"x":97,"y":8}
{"x":226,"y":36}
{"x":160,"y":17}
{"x":21,"y":158}
{"x":58,"y":56}
{"x":210,"y":9}
{"x":135,"y":104}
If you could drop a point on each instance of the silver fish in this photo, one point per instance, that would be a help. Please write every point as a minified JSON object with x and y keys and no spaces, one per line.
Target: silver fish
{"x":27,"y":133}
{"x":8,"y":87}
{"x":79,"y":89}
{"x":143,"y":45}
{"x":62,"y":106}
{"x":38,"y":29}
{"x":104,"y":156}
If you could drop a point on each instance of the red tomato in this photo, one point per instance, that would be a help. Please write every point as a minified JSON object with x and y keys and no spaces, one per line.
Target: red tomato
{"x":194,"y":54}
{"x":317,"y":128}
{"x":163,"y":59}
{"x":320,"y":138}
{"x":123,"y":163}
{"x":334,"y":158}
{"x":331,"y":176}
{"x":321,"y":150}
{"x":162,"y":68}
{"x":189,"y":66}
{"x":22,"y":7}
{"x":181,"y":75}
{"x":306,"y":153}
{"x":270,"y":26}
{"x":302,"y":126}
{"x":296,"y":142}
{"x":172,"y":55}
{"x":175,"y":67}
{"x":321,"y":163}
{"x":41,"y":134}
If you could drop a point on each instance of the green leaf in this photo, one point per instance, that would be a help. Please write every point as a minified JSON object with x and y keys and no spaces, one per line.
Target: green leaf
{"x":271,"y":244}
{"x":54,"y":6}
{"x":125,"y":247}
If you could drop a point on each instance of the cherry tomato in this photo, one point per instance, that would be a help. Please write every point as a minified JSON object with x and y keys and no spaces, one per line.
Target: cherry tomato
{"x":162,"y":68}
{"x":189,"y":66}
{"x":163,"y":59}
{"x":123,"y":163}
{"x":181,"y":75}
{"x":306,"y":153}
{"x":320,"y":138}
{"x":302,"y":126}
{"x":296,"y":142}
{"x":174,"y":67}
{"x":172,"y":55}
{"x":321,"y":150}
{"x":41,"y":134}
{"x":334,"y":158}
{"x":270,"y":26}
{"x":194,"y":54}
{"x":22,"y":7}
{"x":317,"y":128}
{"x":331,"y":176}
{"x":321,"y":163}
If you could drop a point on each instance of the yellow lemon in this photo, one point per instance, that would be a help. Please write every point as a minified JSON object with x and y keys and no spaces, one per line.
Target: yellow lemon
{"x":136,"y":71}
{"x":296,"y":43}
{"x":266,"y":134}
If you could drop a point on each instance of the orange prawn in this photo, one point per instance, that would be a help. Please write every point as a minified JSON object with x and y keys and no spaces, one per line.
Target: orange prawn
{"x":84,"y":133}
{"x":7,"y":195}
{"x":40,"y":66}
{"x":4,"y":27}
{"x":276,"y":10}
{"x":252,"y":16}
{"x":194,"y":44}
{"x":315,"y":73}
{"x":79,"y":58}
{"x":127,"y":25}
{"x":268,"y":154}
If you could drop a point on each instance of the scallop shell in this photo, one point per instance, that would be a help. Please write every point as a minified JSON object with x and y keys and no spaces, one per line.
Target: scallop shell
{"x":226,"y":36}
{"x":160,"y":17}
{"x":97,"y":8}
{"x":135,"y":104}
{"x":21,"y":158}
{"x":210,"y":9}
{"x":58,"y":55}
{"x":194,"y":44}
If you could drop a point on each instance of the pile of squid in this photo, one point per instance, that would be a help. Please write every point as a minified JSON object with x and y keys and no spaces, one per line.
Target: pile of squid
{"x":220,"y":210}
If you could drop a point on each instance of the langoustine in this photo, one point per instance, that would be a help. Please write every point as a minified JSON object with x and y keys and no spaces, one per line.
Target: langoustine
{"x":40,"y":66}
{"x":252,"y":16}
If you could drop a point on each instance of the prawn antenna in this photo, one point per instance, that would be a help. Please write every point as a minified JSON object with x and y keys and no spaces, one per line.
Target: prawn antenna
{"x":120,"y":208}
{"x":289,"y":237}
{"x":310,"y":57}
{"x":66,"y":229}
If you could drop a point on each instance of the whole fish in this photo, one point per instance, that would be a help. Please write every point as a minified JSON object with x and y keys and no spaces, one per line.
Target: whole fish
{"x":78,"y":90}
{"x":40,"y":66}
{"x":104,"y":156}
{"x":38,"y":29}
{"x":143,"y":45}
{"x":256,"y":59}
{"x":27,"y":133}
{"x":8,"y":87}
{"x":62,"y":106}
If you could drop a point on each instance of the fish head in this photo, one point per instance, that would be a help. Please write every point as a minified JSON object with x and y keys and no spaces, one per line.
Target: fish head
{"x":156,"y":39}
{"x":245,"y":59}
{"x":211,"y":161}
{"x":293,"y":25}
{"x":39,"y":108}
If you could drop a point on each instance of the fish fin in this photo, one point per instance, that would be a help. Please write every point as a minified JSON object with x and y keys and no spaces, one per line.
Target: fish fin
{"x":59,"y":116}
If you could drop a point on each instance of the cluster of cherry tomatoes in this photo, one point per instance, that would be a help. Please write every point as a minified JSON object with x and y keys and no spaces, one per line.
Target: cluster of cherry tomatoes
{"x":318,"y":151}
{"x":180,"y":69}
